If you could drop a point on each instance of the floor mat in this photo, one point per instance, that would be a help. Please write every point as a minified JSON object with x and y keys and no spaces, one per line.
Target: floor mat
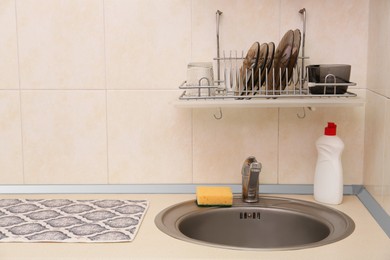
{"x":65,"y":220}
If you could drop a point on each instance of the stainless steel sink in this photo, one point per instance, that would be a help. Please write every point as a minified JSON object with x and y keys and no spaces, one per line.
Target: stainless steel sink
{"x":273,"y":223}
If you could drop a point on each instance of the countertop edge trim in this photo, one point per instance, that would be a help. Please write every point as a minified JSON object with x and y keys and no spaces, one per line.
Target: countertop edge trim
{"x":303,"y":189}
{"x":375,"y":209}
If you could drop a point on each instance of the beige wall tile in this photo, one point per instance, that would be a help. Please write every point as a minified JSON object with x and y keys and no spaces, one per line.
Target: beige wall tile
{"x":241,"y":24}
{"x":149,"y":140}
{"x":377,"y":148}
{"x":386,"y":166}
{"x":221,"y":146}
{"x":68,"y":46}
{"x":297,"y":137}
{"x":147,"y":43}
{"x":379,"y":47}
{"x":11,"y":163}
{"x":374,"y":144}
{"x":297,"y":151}
{"x":64,"y":137}
{"x":8,"y":46}
{"x":336,"y":32}
{"x":61,"y":44}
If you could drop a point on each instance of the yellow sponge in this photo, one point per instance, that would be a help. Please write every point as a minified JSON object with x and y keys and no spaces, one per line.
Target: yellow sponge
{"x":214,"y":196}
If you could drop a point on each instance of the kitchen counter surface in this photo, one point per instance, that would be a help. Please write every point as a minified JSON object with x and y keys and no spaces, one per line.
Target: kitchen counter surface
{"x":368,"y":241}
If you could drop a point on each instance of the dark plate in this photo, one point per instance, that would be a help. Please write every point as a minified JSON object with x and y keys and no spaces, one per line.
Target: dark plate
{"x":294,"y":53}
{"x":250,"y":62}
{"x":281,"y":61}
{"x":268,"y":64}
{"x":263,"y":58}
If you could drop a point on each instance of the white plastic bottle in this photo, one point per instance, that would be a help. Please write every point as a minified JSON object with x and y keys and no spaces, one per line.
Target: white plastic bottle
{"x":328,"y":179}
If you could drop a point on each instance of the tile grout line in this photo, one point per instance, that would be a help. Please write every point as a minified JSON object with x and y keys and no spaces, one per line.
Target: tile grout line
{"x":191,"y":33}
{"x":20,"y":93}
{"x":106,"y":92}
{"x":192,"y":110}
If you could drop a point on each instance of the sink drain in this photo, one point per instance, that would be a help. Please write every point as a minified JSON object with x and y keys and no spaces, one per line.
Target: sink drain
{"x":250,"y":215}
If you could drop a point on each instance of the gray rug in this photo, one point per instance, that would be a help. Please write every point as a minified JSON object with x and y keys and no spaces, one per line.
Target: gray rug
{"x":63,"y":220}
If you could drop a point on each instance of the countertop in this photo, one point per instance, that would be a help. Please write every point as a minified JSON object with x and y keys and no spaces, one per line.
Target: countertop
{"x":368,"y":241}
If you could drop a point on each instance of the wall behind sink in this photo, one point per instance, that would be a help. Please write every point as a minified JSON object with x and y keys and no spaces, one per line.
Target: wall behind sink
{"x":377,"y":137}
{"x":87,"y":86}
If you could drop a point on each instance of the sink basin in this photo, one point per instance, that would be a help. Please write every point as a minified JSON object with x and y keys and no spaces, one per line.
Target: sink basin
{"x":273,"y":223}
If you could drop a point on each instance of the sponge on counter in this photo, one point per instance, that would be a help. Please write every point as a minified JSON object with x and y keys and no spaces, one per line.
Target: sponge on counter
{"x":214,"y":196}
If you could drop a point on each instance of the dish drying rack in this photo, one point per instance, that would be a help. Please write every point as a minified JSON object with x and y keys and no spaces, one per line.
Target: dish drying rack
{"x":293,"y":93}
{"x":234,"y":87}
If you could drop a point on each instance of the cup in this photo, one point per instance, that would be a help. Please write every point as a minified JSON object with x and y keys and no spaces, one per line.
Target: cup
{"x":201,"y":74}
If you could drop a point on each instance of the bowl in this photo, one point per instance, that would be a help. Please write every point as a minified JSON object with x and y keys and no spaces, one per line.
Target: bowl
{"x":329,"y":73}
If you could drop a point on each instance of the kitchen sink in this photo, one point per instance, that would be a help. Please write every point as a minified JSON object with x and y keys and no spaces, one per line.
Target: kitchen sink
{"x":272,"y":223}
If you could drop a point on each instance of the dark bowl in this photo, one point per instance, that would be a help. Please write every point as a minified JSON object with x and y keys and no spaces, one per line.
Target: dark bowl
{"x":319,"y":73}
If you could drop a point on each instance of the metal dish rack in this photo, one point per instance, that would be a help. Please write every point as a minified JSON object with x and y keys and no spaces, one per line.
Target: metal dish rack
{"x":233,"y":86}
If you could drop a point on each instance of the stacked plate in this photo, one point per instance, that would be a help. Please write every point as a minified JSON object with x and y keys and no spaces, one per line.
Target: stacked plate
{"x":265,"y":66}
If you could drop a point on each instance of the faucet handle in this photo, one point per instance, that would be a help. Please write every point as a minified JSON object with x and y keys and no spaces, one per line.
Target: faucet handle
{"x":250,"y":179}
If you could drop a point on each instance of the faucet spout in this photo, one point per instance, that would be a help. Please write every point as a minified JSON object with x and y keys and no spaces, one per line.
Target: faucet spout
{"x":250,"y":179}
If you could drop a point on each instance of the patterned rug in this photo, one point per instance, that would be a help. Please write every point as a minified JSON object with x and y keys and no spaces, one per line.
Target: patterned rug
{"x":64,"y":220}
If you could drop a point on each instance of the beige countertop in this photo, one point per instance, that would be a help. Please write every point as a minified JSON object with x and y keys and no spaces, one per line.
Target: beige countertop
{"x":368,"y":241}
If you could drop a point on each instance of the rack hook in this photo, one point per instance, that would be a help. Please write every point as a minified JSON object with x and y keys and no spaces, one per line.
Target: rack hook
{"x":219,"y":117}
{"x":304,"y":114}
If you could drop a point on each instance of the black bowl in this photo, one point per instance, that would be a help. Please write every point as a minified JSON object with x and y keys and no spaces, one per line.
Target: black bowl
{"x":323,"y":74}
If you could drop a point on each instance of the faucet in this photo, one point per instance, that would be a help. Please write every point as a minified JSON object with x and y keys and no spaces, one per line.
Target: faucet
{"x":250,"y":180}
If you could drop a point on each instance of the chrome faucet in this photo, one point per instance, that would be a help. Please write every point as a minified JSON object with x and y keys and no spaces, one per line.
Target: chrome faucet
{"x":250,"y":179}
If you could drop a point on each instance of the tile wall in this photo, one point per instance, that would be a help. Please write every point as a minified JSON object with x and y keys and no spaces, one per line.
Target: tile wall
{"x":377,"y":137}
{"x":87,"y":86}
